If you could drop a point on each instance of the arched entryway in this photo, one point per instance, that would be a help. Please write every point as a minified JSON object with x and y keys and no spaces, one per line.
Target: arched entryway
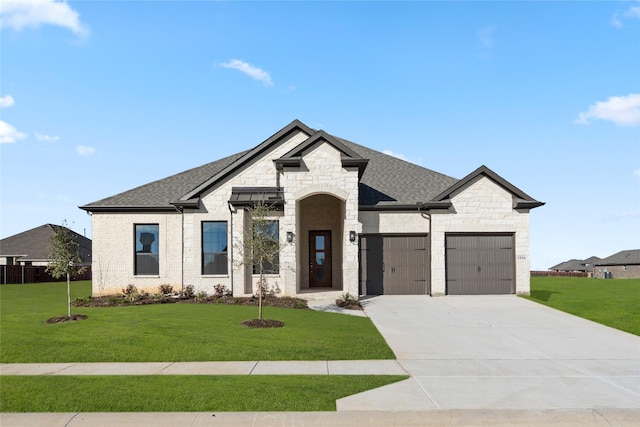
{"x":320,"y":219}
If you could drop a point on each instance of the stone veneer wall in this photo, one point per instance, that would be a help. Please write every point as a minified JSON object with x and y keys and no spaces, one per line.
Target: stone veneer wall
{"x":114,"y":252}
{"x":482,"y":207}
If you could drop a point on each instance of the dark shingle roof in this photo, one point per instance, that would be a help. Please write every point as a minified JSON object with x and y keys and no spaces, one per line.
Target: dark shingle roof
{"x":159,"y":194}
{"x":622,"y":258}
{"x":387,"y":181}
{"x":33,"y":245}
{"x":576,"y":265}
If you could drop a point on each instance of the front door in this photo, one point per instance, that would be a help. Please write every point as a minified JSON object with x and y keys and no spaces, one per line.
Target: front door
{"x":320,"y":259}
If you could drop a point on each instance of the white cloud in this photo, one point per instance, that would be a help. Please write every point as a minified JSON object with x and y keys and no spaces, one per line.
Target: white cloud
{"x":6,"y":101}
{"x":47,"y":138}
{"x":251,"y":71}
{"x":622,"y":110}
{"x":9,"y":134}
{"x":633,"y":12}
{"x":84,"y":150}
{"x":19,"y":14}
{"x":636,"y":172}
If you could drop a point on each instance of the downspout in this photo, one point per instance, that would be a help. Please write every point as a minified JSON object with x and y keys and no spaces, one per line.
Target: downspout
{"x":232,"y":210}
{"x":181,"y":210}
{"x":428,"y":216}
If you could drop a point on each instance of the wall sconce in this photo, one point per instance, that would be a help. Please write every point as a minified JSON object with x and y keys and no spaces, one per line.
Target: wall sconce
{"x":352,"y":236}
{"x":289,"y":237}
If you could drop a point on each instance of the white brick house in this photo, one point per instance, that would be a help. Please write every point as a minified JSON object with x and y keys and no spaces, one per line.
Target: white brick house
{"x":349,"y":219}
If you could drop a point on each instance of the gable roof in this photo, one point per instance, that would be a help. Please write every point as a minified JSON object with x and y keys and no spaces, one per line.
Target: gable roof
{"x":627,"y":257}
{"x":33,"y":245}
{"x":521,"y":199}
{"x":386,"y":182}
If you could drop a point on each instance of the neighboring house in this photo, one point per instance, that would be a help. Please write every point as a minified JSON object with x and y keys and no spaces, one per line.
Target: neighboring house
{"x":576,"y":265}
{"x":349,"y":218}
{"x":31,"y":247}
{"x":624,"y":264}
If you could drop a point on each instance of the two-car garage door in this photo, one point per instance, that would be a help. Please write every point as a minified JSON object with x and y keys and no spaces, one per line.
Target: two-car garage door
{"x":476,"y":264}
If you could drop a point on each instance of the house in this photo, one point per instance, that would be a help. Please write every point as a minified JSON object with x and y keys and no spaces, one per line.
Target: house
{"x":576,"y":265}
{"x":621,"y":265}
{"x":350,"y":219}
{"x":31,"y":247}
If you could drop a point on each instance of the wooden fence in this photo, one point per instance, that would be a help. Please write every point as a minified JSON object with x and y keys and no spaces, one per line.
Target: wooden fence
{"x":561,"y":273}
{"x":33,"y":274}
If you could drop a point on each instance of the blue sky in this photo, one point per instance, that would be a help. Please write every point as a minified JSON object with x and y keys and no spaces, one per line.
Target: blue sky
{"x":98,"y":97}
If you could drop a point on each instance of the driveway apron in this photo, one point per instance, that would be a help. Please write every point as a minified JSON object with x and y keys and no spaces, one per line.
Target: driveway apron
{"x":499,"y":352}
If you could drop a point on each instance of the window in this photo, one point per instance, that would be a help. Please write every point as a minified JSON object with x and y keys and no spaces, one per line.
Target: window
{"x":214,"y":247}
{"x":271,"y":230}
{"x":147,"y":250}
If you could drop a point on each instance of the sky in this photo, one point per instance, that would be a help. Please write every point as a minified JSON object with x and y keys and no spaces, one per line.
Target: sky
{"x":98,"y":97}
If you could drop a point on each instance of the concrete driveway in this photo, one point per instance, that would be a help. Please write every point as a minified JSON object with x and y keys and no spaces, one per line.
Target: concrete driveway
{"x":499,"y":352}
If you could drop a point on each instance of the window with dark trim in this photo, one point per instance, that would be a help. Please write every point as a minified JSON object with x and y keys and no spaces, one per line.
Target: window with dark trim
{"x":214,"y":247}
{"x":147,"y":249}
{"x":272,"y":230}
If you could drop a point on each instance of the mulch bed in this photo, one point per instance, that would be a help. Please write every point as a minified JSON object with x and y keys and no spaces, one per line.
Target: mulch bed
{"x":262,"y":323}
{"x":349,"y":305}
{"x":119,"y":300}
{"x":71,"y":318}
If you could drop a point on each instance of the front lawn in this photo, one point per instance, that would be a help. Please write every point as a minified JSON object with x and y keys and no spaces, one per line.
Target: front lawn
{"x":182,"y":393}
{"x":171,"y":332}
{"x":614,"y":302}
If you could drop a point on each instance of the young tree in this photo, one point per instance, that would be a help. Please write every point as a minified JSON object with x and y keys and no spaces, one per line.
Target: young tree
{"x":64,"y":258}
{"x":261,"y":246}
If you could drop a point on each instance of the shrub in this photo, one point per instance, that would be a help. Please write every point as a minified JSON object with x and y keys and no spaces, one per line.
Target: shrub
{"x":201,"y":296}
{"x":189,"y":292}
{"x":221,"y":291}
{"x":131,"y":293}
{"x":166,"y":289}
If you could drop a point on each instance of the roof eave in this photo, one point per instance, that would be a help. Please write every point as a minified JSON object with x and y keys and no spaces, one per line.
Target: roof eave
{"x":163,"y":208}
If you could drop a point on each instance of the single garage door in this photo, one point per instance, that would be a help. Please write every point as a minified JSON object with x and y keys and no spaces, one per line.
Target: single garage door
{"x":480,"y":264}
{"x":393,"y":264}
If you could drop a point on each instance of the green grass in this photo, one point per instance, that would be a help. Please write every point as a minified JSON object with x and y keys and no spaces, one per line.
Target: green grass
{"x":171,"y":332}
{"x":614,"y":302}
{"x":181,"y":393}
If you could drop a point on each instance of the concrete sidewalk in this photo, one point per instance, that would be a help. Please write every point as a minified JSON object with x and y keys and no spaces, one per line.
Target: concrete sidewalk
{"x":294,"y":367}
{"x":494,"y":418}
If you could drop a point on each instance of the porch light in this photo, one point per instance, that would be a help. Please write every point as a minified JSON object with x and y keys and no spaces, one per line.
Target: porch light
{"x":289,"y":237}
{"x":352,"y":236}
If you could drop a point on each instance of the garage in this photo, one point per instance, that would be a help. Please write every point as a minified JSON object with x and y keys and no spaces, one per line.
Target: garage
{"x":394,"y":264}
{"x":480,"y":264}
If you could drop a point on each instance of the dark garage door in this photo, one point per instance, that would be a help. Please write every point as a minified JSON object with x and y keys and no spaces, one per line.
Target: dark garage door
{"x":480,"y":264}
{"x":393,"y":265}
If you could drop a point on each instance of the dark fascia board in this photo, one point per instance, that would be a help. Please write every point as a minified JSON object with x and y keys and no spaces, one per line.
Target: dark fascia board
{"x":485,"y":171}
{"x":250,"y":155}
{"x":318,"y":137}
{"x":290,"y":162}
{"x":406,"y":208}
{"x":349,"y":157}
{"x":187,"y":204}
{"x":442,"y":204}
{"x":526,"y":204}
{"x":92,"y":209}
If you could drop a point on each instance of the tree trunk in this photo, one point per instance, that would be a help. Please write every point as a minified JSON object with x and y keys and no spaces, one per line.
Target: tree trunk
{"x":68,"y":296}
{"x":260,"y":294}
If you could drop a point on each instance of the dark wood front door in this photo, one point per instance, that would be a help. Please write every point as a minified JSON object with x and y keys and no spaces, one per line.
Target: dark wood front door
{"x":320,"y":259}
